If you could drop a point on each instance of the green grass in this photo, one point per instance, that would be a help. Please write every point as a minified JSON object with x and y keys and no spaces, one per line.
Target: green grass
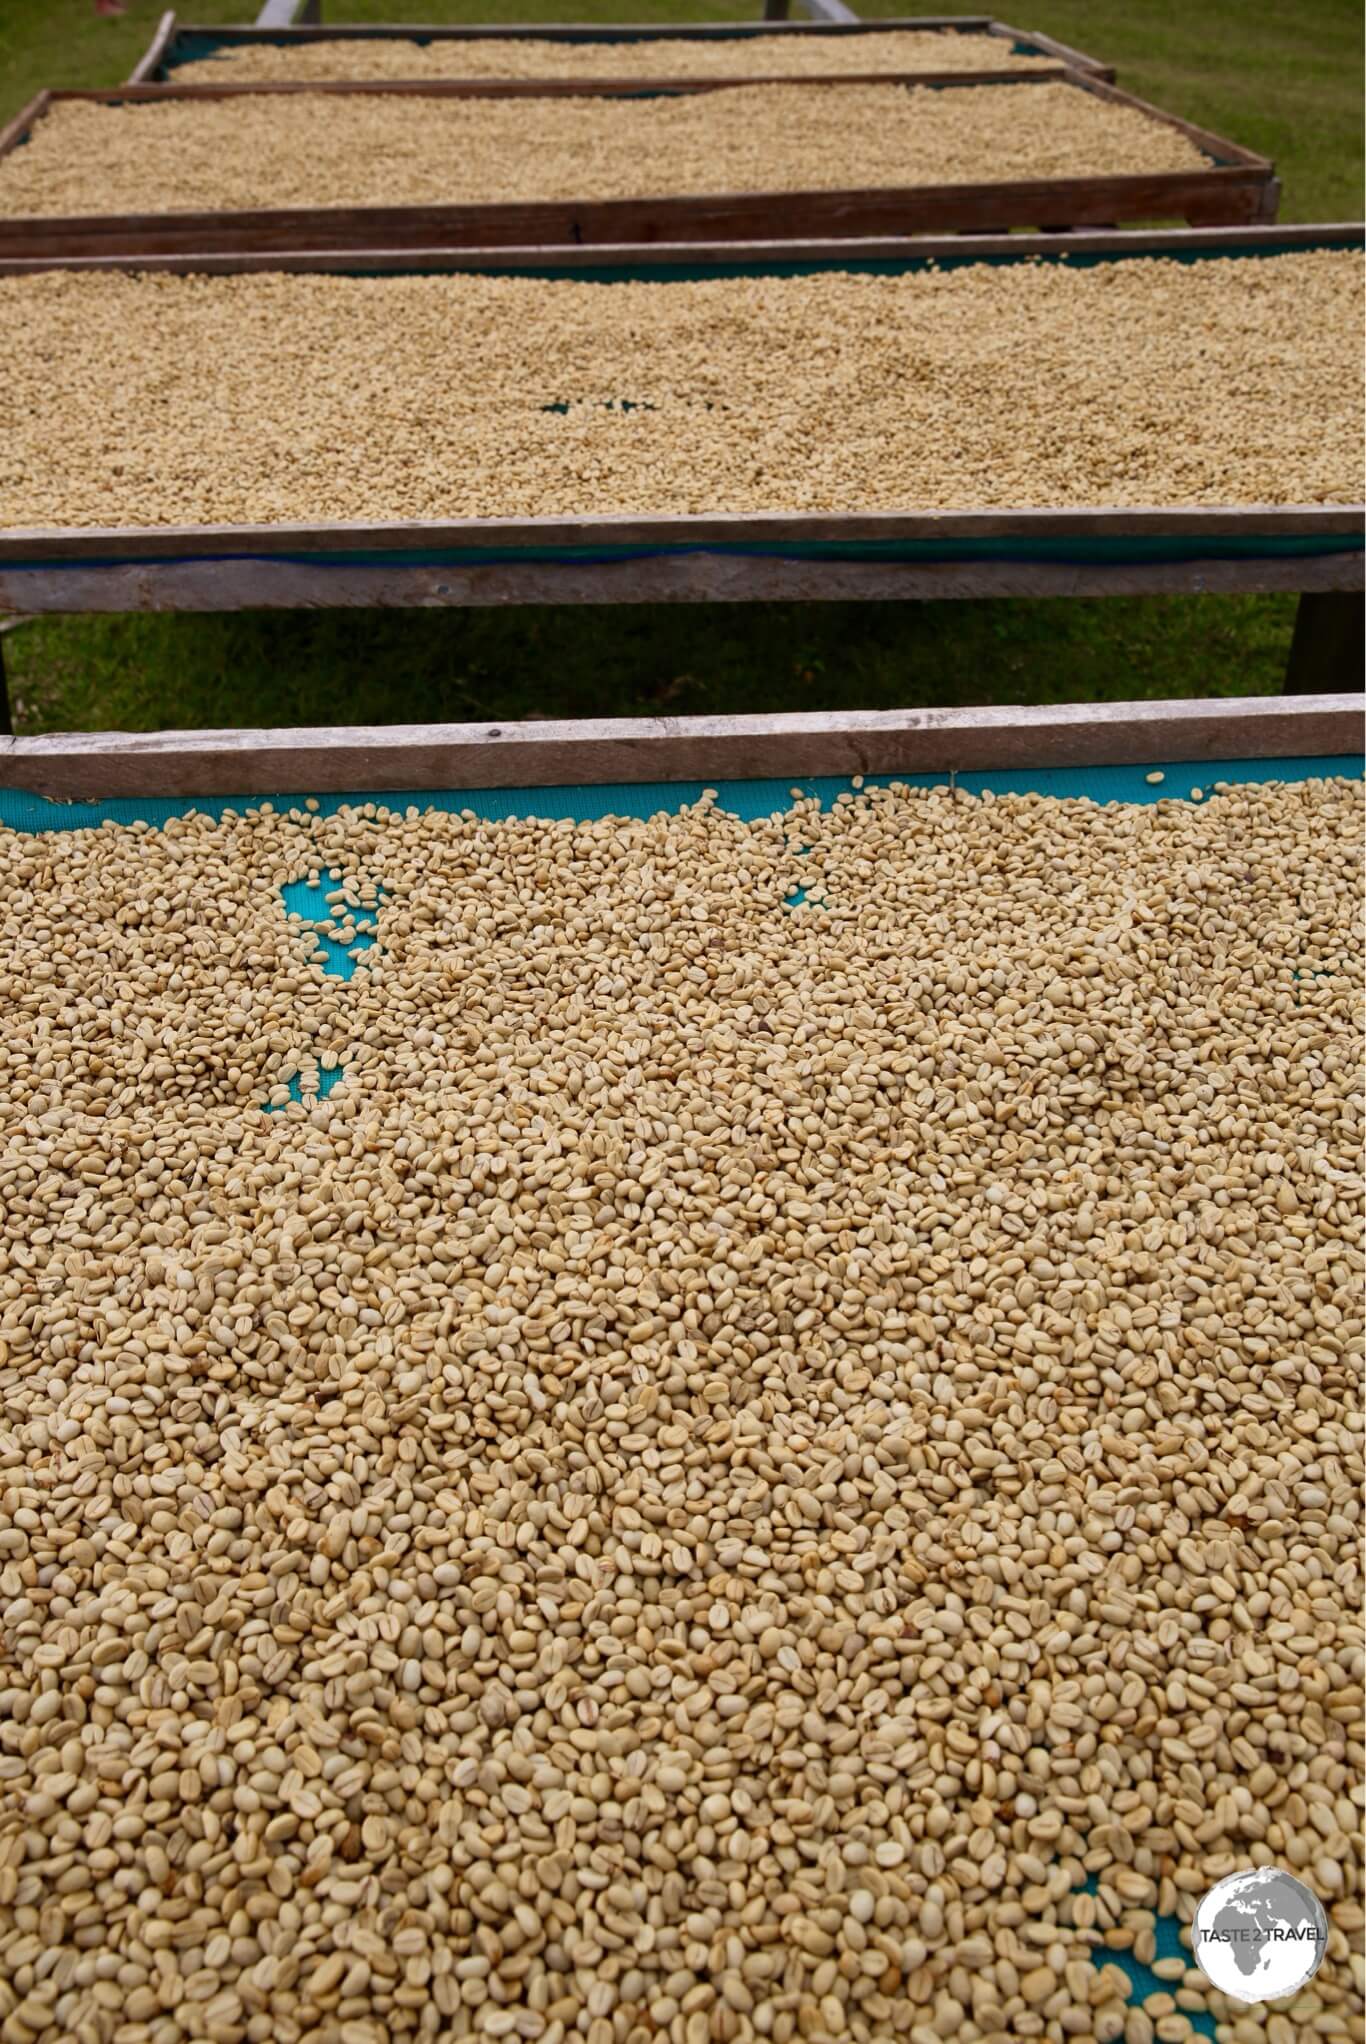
{"x":329,"y":667}
{"x":1284,"y":81}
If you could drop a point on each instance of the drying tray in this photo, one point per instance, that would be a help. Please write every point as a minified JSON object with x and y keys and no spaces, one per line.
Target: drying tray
{"x":705,"y":558}
{"x":1231,"y":186}
{"x":177,"y":43}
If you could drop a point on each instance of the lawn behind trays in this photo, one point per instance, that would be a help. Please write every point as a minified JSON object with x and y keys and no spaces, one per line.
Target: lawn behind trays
{"x":1285,"y":81}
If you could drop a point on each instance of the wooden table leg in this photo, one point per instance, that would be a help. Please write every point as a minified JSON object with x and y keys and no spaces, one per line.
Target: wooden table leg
{"x":1328,"y":651}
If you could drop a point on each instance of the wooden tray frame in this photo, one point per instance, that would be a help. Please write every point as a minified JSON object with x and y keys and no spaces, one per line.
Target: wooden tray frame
{"x":292,"y":13}
{"x":764,"y":557}
{"x":759,"y":559}
{"x":1238,"y":187}
{"x":160,"y":55}
{"x":104,"y":765}
{"x":1313,"y":550}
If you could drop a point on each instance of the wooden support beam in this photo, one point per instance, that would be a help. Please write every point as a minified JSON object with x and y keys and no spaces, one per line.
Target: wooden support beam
{"x":1328,"y":650}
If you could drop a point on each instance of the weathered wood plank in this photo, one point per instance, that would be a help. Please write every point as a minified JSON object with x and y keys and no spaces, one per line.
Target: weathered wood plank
{"x":102,"y":765}
{"x":584,"y":87}
{"x":1323,"y":522}
{"x":700,"y":576}
{"x":154,"y":94}
{"x":1231,"y":195}
{"x":724,"y":257}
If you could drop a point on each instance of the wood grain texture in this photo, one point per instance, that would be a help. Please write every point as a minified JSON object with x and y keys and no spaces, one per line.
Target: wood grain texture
{"x":263,"y":583}
{"x":1219,"y":196}
{"x":723,"y":257}
{"x":103,"y":765}
{"x":1246,"y":522}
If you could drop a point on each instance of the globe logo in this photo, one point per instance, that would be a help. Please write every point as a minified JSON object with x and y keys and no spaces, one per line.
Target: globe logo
{"x":1259,"y":1935}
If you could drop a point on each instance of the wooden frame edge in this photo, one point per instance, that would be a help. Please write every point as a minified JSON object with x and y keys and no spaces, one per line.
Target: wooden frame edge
{"x":1232,"y":194}
{"x":170,"y":764}
{"x":153,"y":92}
{"x":341,"y":32}
{"x":1227,"y":155}
{"x":14,"y":131}
{"x":1076,"y":60}
{"x":706,"y":575}
{"x":768,"y":529}
{"x":163,"y":94}
{"x":298,"y":33}
{"x":852,"y":248}
{"x":147,"y":66}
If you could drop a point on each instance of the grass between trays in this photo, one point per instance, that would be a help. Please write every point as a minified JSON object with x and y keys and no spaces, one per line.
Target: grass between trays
{"x":1283,"y":81}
